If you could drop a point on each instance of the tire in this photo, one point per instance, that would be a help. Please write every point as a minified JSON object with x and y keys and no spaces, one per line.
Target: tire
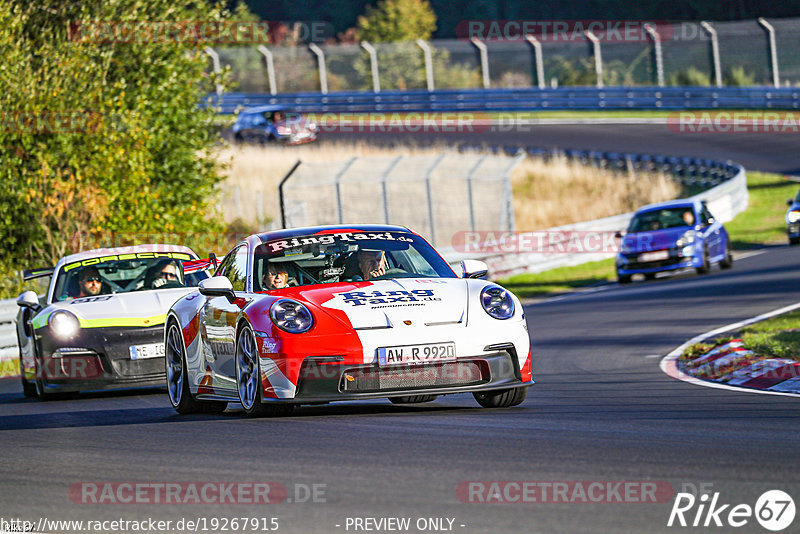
{"x":703,"y":269}
{"x":794,"y":240}
{"x":28,"y":388}
{"x":501,"y":398}
{"x":650,"y":276}
{"x":248,"y":378}
{"x":413,"y":399}
{"x":727,"y":261}
{"x":623,"y":278}
{"x":178,"y":378}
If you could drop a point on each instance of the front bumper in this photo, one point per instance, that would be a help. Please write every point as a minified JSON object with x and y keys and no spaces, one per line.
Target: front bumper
{"x":99,"y":358}
{"x":628,"y":264}
{"x":325,"y":381}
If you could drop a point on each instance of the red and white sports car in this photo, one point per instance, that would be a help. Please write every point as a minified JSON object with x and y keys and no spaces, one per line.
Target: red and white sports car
{"x":321,"y":314}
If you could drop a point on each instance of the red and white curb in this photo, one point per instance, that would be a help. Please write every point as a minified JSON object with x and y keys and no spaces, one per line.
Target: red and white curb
{"x":669,"y":363}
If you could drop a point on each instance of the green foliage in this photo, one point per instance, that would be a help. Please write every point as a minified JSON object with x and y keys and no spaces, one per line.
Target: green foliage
{"x":692,"y":77}
{"x":137,"y":155}
{"x":737,"y":76}
{"x":397,"y":20}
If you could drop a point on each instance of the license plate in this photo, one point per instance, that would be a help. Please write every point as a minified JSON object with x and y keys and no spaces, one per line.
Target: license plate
{"x":658,"y":255}
{"x":142,"y":352}
{"x":431,"y":352}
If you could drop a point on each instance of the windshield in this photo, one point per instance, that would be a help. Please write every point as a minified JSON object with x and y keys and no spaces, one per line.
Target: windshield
{"x":345,"y":257}
{"x":92,"y":277}
{"x":660,"y":219}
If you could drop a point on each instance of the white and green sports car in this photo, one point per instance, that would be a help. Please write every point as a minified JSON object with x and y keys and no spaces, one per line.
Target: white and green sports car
{"x":101,"y":323}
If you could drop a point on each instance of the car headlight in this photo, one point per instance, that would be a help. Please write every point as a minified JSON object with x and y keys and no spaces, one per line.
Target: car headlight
{"x":291,"y":316}
{"x":497,"y":302}
{"x":793,"y":216}
{"x":63,"y":324}
{"x":283,"y":130}
{"x":687,"y":238}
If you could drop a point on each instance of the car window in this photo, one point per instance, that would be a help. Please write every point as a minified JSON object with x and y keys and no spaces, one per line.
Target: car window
{"x":234,"y":267}
{"x":347,"y":257}
{"x":660,"y":219}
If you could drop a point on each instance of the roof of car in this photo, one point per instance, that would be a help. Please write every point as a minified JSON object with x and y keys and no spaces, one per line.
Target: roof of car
{"x":311,"y":230}
{"x":85,"y":255}
{"x":678,"y":203}
{"x":262,"y":109}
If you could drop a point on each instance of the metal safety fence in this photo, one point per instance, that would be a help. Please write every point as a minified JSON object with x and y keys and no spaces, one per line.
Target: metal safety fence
{"x":506,"y":54}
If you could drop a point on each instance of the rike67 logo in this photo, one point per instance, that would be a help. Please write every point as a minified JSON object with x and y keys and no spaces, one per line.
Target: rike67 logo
{"x":774,"y":510}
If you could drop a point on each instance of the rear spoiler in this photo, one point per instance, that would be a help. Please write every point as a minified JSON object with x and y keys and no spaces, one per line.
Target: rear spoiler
{"x":193,"y":266}
{"x":30,"y":274}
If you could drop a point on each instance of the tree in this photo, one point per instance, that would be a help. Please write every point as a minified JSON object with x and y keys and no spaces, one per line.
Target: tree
{"x":397,"y":20}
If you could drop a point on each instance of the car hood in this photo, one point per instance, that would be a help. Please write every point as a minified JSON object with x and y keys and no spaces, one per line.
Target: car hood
{"x":655,"y":240}
{"x":384,"y":303}
{"x":139,"y":308}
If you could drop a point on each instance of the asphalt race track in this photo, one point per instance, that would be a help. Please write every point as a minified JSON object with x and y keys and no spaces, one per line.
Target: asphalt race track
{"x":601,"y":411}
{"x":771,"y":152}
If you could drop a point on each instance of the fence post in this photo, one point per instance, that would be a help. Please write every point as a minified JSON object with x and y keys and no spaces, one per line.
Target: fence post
{"x":384,"y":192}
{"x":270,"y":68}
{"x":469,"y":192}
{"x":484,"y":60}
{"x":773,"y":51}
{"x":537,"y":55}
{"x":373,"y":65}
{"x":714,"y":51}
{"x":323,"y":73}
{"x":280,"y":192}
{"x":337,"y":180}
{"x":429,"y":196}
{"x":598,"y":58}
{"x":217,"y":68}
{"x":651,"y":31}
{"x":508,"y":195}
{"x":426,"y":51}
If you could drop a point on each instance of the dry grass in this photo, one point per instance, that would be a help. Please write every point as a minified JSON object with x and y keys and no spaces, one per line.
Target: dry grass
{"x":546,"y":194}
{"x":556,"y":192}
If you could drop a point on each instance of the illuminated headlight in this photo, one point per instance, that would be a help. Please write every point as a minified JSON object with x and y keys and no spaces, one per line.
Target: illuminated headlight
{"x":497,"y":302}
{"x":312,"y":126}
{"x":291,"y":316}
{"x":687,"y":238}
{"x":63,"y":324}
{"x":793,"y":216}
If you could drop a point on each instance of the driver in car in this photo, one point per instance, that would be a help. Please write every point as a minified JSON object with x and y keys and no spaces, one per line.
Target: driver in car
{"x":371,"y":263}
{"x":165,"y":272}
{"x":89,"y":283}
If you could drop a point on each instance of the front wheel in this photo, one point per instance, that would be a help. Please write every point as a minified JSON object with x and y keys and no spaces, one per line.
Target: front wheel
{"x":727,"y":261}
{"x":28,"y":388}
{"x":706,"y":266}
{"x":248,"y":378}
{"x":794,"y":240}
{"x":624,"y":278}
{"x":501,"y":398}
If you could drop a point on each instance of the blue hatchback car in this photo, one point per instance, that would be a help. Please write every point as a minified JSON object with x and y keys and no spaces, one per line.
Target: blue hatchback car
{"x":274,"y":123}
{"x":793,"y":220}
{"x":672,"y":235}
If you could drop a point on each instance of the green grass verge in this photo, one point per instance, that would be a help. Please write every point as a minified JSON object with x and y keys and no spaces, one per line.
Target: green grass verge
{"x":561,"y":279}
{"x":762,"y":223}
{"x":778,"y":336}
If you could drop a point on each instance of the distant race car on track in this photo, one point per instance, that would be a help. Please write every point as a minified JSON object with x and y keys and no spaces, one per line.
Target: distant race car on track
{"x":101,"y":324}
{"x":793,"y":219}
{"x":322,"y":314}
{"x":672,"y":235}
{"x":268,"y":124}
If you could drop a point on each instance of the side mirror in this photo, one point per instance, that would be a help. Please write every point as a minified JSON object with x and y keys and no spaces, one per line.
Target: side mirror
{"x":28,"y":300}
{"x":217,"y":286}
{"x":474,"y":269}
{"x":618,"y":234}
{"x":789,"y":202}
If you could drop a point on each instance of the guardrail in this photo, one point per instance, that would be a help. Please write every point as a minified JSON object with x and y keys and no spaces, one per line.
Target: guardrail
{"x":521,"y":99}
{"x":8,"y":330}
{"x":723,"y":185}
